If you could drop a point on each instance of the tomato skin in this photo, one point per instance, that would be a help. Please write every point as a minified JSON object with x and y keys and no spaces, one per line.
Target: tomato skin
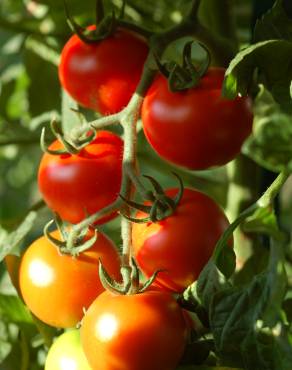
{"x":66,"y":352}
{"x":182,"y":243}
{"x":134,"y":332}
{"x":76,"y":186}
{"x":56,"y":287}
{"x":109,"y":70}
{"x":196,"y":128}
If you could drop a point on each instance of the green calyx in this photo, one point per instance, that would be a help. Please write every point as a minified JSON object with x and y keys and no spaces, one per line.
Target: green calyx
{"x":70,"y":145}
{"x":161,"y":205}
{"x":105,"y":25}
{"x":187,"y":75}
{"x":130,"y":283}
{"x":79,"y":244}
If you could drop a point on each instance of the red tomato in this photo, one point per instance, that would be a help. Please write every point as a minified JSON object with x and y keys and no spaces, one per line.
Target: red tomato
{"x":134,"y":332}
{"x":76,"y":186}
{"x":182,"y":243}
{"x":196,"y":128}
{"x":56,"y":287}
{"x":103,"y":76}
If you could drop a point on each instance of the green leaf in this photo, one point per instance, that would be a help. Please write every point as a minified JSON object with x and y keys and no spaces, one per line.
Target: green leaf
{"x":13,"y":310}
{"x":44,"y":87}
{"x":264,"y":221}
{"x":254,"y":265}
{"x":272,"y":59}
{"x":250,"y":315}
{"x":270,"y":143}
{"x":275,"y":24}
{"x":5,"y":345}
{"x":226,"y":261}
{"x":287,"y":307}
{"x":42,"y":50}
{"x":9,"y":241}
{"x":210,"y":282}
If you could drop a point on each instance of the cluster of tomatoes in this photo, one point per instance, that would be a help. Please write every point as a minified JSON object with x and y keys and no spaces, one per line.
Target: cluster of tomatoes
{"x":195,"y":129}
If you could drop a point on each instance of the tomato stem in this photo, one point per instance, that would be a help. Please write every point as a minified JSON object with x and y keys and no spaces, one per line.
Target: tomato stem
{"x":264,"y":201}
{"x":105,"y":121}
{"x":99,"y":11}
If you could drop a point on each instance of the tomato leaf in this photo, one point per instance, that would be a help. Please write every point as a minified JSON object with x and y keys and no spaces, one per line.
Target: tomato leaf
{"x":226,"y":261}
{"x":264,"y":57}
{"x":249,"y":315}
{"x":5,"y":346}
{"x":9,"y":241}
{"x":270,"y":143}
{"x":210,"y":282}
{"x":13,"y":310}
{"x":287,"y":307}
{"x":40,"y":97}
{"x":275,"y":24}
{"x":264,"y":221}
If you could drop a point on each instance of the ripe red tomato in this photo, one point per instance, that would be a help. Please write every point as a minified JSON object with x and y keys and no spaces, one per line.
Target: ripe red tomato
{"x":56,"y":287}
{"x":76,"y":186}
{"x":134,"y":332}
{"x":66,"y":353}
{"x":182,"y":243}
{"x":196,"y":128}
{"x":103,"y":76}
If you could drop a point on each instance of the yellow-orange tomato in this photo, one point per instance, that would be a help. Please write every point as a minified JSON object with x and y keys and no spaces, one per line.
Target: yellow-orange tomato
{"x":144,"y":331}
{"x":57,"y":287}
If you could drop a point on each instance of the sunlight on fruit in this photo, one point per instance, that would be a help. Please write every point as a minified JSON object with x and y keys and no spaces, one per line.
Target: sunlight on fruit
{"x":106,"y":327}
{"x":40,"y":273}
{"x":68,"y":364}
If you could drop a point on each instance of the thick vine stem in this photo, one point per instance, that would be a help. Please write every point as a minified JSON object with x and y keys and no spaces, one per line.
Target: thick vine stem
{"x":129,"y":123}
{"x":105,"y":121}
{"x":269,"y":195}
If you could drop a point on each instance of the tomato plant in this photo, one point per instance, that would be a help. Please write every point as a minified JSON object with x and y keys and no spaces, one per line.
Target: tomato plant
{"x":196,"y":128}
{"x":180,"y":244}
{"x":58,"y":287}
{"x":109,"y":70}
{"x":66,"y":353}
{"x":78,"y":185}
{"x":130,"y":332}
{"x":186,"y":290}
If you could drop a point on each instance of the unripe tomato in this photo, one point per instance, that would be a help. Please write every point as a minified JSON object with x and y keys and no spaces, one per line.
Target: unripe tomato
{"x":104,"y":75}
{"x":134,"y":332}
{"x":76,"y":186}
{"x":57,"y":288}
{"x":182,"y":243}
{"x":196,"y":128}
{"x":66,"y":353}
